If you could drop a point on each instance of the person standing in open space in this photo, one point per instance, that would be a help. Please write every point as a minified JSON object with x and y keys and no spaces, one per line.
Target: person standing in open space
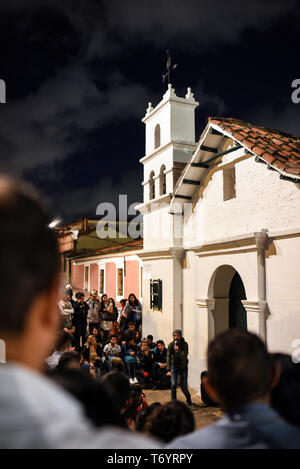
{"x":177,"y":365}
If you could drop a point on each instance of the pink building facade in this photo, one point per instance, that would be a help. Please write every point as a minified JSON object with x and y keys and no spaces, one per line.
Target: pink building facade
{"x":114,"y":274}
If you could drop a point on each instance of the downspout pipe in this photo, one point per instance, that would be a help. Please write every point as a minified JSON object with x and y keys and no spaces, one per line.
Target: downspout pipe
{"x":261,"y":244}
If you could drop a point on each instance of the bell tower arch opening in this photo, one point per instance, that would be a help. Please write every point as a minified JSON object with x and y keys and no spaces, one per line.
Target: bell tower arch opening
{"x":157,"y":136}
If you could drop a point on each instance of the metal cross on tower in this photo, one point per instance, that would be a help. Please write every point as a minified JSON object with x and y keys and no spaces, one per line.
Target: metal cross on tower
{"x":169,"y":68}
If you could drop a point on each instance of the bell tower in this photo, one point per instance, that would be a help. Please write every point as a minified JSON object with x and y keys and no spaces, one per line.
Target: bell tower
{"x":170,"y":141}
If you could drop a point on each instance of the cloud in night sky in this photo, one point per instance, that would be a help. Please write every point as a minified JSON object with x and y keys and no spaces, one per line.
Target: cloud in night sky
{"x":51,"y":123}
{"x":109,"y":25}
{"x":85,"y":93}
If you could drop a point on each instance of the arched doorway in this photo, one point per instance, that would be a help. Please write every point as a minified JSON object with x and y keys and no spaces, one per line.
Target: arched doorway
{"x":225,"y":294}
{"x":237,"y":312}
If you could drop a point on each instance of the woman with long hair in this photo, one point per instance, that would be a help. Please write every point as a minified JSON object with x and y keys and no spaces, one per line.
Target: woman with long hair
{"x":92,"y":352}
{"x":135,"y":308}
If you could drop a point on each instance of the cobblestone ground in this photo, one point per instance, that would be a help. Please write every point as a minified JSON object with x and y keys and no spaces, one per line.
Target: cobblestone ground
{"x":203,"y":415}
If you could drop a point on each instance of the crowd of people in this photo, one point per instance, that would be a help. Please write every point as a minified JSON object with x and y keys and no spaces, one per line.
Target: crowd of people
{"x":105,"y":337}
{"x":257,"y":391}
{"x":64,"y":405}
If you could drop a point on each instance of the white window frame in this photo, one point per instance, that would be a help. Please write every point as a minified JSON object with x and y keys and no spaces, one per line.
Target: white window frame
{"x":89,"y":277}
{"x":101,"y":267}
{"x":119,"y":297}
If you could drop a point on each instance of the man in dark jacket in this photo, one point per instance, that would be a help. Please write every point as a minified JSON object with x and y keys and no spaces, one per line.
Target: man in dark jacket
{"x":177,"y":365}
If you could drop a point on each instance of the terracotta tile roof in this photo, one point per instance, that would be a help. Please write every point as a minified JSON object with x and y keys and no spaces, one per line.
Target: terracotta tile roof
{"x":276,"y":148}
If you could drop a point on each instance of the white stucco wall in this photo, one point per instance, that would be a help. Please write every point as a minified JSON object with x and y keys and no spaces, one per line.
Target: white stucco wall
{"x":283,"y":294}
{"x":262,"y":201}
{"x":158,"y":323}
{"x":158,"y":229}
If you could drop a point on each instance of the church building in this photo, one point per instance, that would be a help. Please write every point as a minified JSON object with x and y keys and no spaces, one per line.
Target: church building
{"x":221,"y":230}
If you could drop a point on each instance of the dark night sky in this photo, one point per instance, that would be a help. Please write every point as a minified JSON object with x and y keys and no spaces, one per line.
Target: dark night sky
{"x":79,"y":76}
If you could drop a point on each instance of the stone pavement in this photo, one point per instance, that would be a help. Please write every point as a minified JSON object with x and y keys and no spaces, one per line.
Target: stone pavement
{"x":203,"y":415}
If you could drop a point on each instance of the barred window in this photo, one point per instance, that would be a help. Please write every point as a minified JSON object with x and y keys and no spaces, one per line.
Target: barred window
{"x":156,"y":294}
{"x":86,"y":277}
{"x":120,"y":287}
{"x":101,"y":281}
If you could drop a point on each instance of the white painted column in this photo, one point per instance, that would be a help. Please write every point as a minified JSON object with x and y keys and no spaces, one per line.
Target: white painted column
{"x":206,"y":306}
{"x":177,"y":254}
{"x":252,"y":308}
{"x":260,"y":239}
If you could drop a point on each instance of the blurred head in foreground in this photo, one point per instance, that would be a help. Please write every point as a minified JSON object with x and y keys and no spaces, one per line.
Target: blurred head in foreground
{"x":240,"y":370}
{"x":98,"y":404}
{"x":29,"y":275}
{"x":170,"y":420}
{"x":285,"y":396}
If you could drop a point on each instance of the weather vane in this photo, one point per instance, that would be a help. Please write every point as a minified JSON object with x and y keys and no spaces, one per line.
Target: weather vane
{"x":169,"y":68}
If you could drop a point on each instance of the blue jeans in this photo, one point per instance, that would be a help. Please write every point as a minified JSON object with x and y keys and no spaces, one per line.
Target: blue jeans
{"x":110,"y":359}
{"x":183,"y":373}
{"x":131,"y":369}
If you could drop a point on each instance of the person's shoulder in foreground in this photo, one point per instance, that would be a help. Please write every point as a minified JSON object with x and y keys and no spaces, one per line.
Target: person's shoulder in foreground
{"x":240,"y":376}
{"x":36,"y":413}
{"x":255,"y":426}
